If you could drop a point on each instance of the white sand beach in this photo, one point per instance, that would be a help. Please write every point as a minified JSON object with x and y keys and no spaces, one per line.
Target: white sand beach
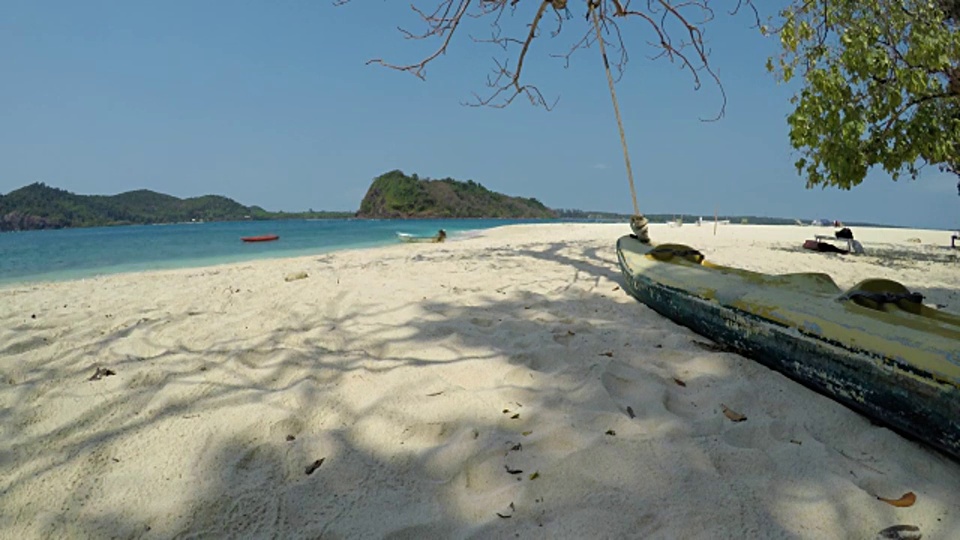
{"x":475,"y":388}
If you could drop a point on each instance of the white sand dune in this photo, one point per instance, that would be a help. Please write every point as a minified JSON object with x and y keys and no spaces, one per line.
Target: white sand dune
{"x":497,"y":386}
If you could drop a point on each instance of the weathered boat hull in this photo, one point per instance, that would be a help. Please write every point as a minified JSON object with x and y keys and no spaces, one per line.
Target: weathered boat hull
{"x":900,"y":369}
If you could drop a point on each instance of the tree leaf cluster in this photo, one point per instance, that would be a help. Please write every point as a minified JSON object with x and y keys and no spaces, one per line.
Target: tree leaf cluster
{"x":881,"y":87}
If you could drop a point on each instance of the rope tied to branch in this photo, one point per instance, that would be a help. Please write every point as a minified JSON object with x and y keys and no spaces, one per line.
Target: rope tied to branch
{"x":638,"y":223}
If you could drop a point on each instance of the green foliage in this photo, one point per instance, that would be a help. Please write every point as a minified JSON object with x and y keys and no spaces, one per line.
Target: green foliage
{"x":39,"y":206}
{"x":881,"y":87}
{"x":396,"y":195}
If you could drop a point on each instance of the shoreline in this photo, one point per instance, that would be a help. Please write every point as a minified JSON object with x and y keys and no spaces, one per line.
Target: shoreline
{"x":875,"y":235}
{"x":219,"y":246}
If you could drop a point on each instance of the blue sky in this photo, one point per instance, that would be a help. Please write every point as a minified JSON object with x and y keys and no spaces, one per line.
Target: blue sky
{"x":272,"y":103}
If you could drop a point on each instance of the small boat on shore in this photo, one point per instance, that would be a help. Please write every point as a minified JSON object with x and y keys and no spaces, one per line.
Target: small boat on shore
{"x":261,"y":238}
{"x":409,"y":238}
{"x":875,"y":348}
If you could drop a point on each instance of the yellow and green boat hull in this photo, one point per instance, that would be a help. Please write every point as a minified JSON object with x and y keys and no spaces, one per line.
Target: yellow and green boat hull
{"x":875,"y":348}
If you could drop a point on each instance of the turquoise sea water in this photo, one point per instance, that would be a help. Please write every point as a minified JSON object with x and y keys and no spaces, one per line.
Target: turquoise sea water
{"x":76,"y":253}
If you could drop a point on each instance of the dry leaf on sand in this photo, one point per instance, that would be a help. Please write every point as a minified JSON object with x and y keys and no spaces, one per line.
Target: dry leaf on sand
{"x":732,"y":414}
{"x":904,"y":501}
{"x":900,"y":532}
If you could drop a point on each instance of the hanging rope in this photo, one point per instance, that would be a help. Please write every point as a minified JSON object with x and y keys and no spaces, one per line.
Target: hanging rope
{"x":637,"y":222}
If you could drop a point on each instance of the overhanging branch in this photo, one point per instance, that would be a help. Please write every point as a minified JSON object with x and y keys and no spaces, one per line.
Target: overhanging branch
{"x":662,"y":19}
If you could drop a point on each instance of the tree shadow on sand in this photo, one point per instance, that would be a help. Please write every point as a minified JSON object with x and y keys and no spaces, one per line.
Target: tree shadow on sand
{"x":547,"y":405}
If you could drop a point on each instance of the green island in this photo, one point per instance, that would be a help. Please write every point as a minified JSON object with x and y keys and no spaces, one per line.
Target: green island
{"x":392,"y":195}
{"x":396,"y":195}
{"x":39,"y":206}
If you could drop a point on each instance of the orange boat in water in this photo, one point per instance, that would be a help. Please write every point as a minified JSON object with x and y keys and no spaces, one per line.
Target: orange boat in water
{"x":261,"y":238}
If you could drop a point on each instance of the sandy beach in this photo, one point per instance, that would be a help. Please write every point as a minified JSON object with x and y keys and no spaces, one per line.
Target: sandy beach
{"x":497,"y":386}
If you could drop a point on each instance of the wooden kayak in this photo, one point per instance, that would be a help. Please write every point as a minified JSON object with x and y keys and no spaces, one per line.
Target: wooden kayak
{"x":875,"y":348}
{"x":261,"y":238}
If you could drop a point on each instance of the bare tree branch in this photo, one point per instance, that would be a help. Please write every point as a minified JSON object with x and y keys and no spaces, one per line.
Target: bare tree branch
{"x":676,"y":28}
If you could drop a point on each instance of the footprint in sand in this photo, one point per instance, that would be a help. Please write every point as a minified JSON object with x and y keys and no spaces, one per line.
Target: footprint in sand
{"x":290,"y":426}
{"x":252,"y":507}
{"x":533,"y":361}
{"x":482,"y":322}
{"x":783,"y":431}
{"x":425,"y":434}
{"x":747,"y":435}
{"x":519,"y":377}
{"x":695,"y":411}
{"x":638,"y":390}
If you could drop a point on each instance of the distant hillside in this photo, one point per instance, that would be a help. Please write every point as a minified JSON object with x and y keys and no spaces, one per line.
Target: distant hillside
{"x":692,"y":218}
{"x":663,"y":218}
{"x":39,"y":206}
{"x":396,"y":195}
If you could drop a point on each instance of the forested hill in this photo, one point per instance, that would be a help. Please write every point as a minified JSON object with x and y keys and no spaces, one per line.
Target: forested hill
{"x":396,"y":195}
{"x":39,"y":206}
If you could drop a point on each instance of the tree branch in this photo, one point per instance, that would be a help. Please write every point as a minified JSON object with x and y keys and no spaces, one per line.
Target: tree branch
{"x":507,"y":82}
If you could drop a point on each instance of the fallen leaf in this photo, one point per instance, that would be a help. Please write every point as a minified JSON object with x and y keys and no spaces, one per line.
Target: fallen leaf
{"x":907,"y":499}
{"x":314,"y":466}
{"x":507,"y":516}
{"x":900,"y":532}
{"x":101,"y":373}
{"x":630,"y":412}
{"x":535,"y":475}
{"x":679,"y":382}
{"x":607,"y":353}
{"x":512,"y":471}
{"x":732,"y":414}
{"x":525,"y":433}
{"x":611,"y":432}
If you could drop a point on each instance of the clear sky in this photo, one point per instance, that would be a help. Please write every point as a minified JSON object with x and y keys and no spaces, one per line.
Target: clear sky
{"x":271,"y":103}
